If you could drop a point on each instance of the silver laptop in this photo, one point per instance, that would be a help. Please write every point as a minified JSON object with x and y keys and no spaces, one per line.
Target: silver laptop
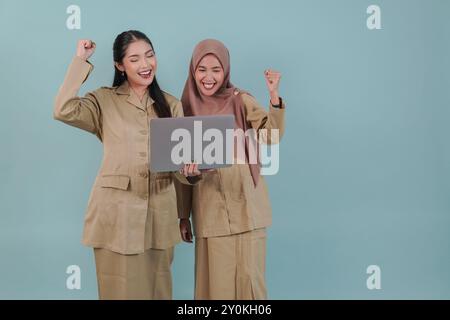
{"x":201,"y":139}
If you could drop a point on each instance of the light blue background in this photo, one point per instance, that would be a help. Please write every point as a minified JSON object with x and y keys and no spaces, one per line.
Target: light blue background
{"x":364,"y":175}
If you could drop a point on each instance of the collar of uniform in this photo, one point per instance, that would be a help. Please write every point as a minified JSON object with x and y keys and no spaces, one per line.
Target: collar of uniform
{"x":124,"y":89}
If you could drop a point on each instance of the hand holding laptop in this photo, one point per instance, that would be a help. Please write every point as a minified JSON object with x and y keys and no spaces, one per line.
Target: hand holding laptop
{"x":191,"y":170}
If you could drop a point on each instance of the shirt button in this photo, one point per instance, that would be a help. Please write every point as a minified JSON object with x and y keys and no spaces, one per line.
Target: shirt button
{"x":143,"y":154}
{"x":143,"y":174}
{"x":143,"y":132}
{"x":145,"y":197}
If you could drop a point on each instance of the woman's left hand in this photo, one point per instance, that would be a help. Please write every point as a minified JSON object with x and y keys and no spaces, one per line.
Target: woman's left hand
{"x":272,"y":81}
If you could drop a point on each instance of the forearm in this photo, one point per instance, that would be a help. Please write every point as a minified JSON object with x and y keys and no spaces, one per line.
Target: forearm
{"x":81,"y":112}
{"x":77,"y":73}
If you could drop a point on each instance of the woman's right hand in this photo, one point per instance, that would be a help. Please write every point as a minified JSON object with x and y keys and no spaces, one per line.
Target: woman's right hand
{"x":85,"y":49}
{"x":185,"y":230}
{"x":190,"y":170}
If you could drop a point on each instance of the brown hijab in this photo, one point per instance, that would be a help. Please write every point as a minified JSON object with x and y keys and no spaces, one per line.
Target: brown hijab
{"x":226,"y":100}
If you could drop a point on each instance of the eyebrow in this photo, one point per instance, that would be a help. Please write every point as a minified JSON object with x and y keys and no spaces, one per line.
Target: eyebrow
{"x":215,"y":67}
{"x":136,"y":55}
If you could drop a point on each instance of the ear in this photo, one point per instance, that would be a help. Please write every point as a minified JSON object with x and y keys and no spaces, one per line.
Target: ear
{"x":119,"y":66}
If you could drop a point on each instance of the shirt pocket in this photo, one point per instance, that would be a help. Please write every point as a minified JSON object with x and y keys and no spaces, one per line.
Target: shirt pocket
{"x":121,"y":182}
{"x":113,"y":200}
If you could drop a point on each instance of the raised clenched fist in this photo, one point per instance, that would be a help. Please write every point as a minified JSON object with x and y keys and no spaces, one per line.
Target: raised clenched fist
{"x":85,"y":49}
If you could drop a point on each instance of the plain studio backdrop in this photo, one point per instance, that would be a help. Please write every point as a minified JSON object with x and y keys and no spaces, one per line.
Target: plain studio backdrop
{"x":364,"y":175}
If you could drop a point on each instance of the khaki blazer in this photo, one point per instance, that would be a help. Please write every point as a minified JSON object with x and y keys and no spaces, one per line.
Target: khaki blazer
{"x":130,"y":209}
{"x":225,"y":201}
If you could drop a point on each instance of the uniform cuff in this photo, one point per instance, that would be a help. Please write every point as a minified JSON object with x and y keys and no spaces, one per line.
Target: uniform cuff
{"x":79,"y":70}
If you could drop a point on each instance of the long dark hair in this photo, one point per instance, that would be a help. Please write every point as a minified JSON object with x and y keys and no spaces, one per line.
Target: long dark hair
{"x":120,"y":46}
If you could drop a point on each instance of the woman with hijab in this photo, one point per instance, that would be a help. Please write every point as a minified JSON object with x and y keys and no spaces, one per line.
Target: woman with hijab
{"x":230,"y":206}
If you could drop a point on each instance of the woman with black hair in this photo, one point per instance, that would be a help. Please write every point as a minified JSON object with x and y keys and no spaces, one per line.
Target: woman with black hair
{"x":131,"y":219}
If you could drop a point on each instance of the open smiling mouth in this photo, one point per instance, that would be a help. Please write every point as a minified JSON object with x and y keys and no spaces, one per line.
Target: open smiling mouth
{"x":208,"y":85}
{"x":146,"y":74}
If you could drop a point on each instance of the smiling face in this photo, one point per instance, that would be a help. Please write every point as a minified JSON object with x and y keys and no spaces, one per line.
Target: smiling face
{"x":139,"y":64}
{"x":209,"y":75}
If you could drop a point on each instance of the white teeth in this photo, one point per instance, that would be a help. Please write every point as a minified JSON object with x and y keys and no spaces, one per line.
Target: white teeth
{"x":208,"y":85}
{"x":145,"y":73}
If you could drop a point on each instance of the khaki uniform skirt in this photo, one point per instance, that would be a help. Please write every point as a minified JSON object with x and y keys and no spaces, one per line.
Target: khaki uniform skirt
{"x":134,"y":277}
{"x":142,"y":276}
{"x":231,"y":267}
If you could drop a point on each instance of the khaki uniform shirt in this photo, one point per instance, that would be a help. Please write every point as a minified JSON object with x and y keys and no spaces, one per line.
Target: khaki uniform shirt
{"x":225,"y":201}
{"x":130,"y":209}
